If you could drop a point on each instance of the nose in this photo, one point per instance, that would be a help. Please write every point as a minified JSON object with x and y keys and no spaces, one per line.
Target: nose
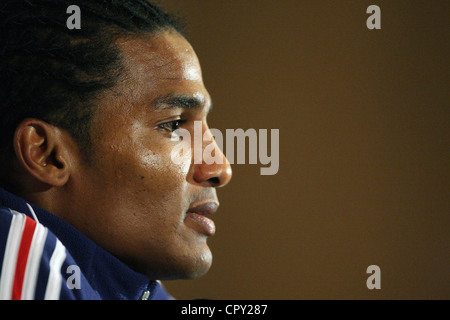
{"x":214,"y":169}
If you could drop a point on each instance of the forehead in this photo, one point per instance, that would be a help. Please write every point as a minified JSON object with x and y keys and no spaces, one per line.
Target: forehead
{"x":161,"y":62}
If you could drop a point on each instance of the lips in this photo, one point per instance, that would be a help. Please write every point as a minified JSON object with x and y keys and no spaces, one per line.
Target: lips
{"x":197,"y":217}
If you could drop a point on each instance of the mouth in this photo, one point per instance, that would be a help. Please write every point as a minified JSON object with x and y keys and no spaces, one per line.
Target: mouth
{"x":198,"y":217}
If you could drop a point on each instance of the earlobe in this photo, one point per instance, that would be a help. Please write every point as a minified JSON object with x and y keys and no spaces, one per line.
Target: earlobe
{"x":40,"y":151}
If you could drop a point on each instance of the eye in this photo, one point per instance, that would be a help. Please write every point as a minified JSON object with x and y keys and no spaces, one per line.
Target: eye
{"x":172,"y":125}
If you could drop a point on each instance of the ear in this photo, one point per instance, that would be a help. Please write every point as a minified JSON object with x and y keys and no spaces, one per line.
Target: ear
{"x":41,"y":151}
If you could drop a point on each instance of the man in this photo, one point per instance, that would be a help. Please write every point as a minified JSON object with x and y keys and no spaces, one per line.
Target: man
{"x":91,"y":204}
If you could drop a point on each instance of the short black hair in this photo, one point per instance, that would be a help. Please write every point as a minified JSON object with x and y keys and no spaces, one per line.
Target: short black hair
{"x":53,"y":73}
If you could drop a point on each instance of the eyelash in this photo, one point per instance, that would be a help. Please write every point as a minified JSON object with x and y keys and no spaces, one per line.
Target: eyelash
{"x":172,"y":125}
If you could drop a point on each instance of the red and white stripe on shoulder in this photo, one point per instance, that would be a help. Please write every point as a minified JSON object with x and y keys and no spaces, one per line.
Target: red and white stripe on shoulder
{"x":22,"y":258}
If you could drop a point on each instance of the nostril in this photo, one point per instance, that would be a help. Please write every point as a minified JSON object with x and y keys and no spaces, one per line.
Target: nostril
{"x":215,"y":181}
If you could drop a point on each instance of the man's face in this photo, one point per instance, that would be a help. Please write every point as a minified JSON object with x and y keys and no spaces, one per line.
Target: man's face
{"x":133,"y":200}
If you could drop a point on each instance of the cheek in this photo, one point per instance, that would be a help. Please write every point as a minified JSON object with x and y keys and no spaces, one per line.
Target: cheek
{"x":145,"y":170}
{"x":149,"y":202}
{"x":159,"y":185}
{"x":168,"y":164}
{"x":178,"y":156}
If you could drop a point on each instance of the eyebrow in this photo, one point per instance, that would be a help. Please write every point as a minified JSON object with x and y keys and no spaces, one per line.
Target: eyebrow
{"x":180,"y":101}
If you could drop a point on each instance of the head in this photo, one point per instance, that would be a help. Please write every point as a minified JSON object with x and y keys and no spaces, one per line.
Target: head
{"x":87,"y":120}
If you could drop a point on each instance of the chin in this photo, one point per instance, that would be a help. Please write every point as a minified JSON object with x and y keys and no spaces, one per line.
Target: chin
{"x":195,"y":267}
{"x":185,"y":266}
{"x":200,"y":267}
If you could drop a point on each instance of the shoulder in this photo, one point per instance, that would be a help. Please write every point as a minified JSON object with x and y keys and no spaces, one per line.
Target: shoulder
{"x":31,"y":258}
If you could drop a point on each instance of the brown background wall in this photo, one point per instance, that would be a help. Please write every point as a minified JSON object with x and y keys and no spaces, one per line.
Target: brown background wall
{"x":364,"y":147}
